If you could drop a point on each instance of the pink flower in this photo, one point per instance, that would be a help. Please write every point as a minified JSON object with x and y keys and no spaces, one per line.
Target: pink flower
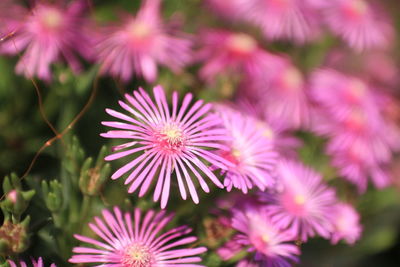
{"x":272,"y":246}
{"x":304,"y":204}
{"x":283,"y":95}
{"x":295,"y":20}
{"x":361,"y":23}
{"x":137,"y":243}
{"x":346,"y":224}
{"x":38,"y":263}
{"x":168,"y":142}
{"x":140,"y":43}
{"x":357,"y":159}
{"x":47,"y":33}
{"x":225,"y":52}
{"x":229,"y":10}
{"x":251,"y":153}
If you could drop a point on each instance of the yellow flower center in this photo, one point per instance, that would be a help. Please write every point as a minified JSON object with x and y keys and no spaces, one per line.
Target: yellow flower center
{"x":299,"y":199}
{"x":292,"y":78}
{"x":51,"y":18}
{"x":138,"y":30}
{"x":137,"y":256}
{"x":242,"y":43}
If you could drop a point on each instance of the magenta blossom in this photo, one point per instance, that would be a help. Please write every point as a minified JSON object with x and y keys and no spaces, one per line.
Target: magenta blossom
{"x":295,"y":20}
{"x":251,"y":152}
{"x":169,"y":141}
{"x":361,"y":23}
{"x":47,"y":33}
{"x":225,"y":52}
{"x":38,"y":263}
{"x":229,"y":10}
{"x":346,"y":224}
{"x":270,"y":245}
{"x":138,"y":242}
{"x":140,"y":43}
{"x":304,"y":204}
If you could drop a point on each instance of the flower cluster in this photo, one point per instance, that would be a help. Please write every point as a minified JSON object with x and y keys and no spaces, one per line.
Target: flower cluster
{"x":248,"y":151}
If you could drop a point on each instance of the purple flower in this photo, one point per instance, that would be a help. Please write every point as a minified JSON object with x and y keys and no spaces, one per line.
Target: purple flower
{"x":38,"y":263}
{"x":295,"y":20}
{"x":137,"y":243}
{"x":140,"y":43}
{"x":346,"y":224}
{"x":362,"y":24}
{"x":251,"y":153}
{"x":225,"y":52}
{"x":304,"y":204}
{"x":47,"y":33}
{"x":177,"y":141}
{"x":229,"y":10}
{"x":272,"y":246}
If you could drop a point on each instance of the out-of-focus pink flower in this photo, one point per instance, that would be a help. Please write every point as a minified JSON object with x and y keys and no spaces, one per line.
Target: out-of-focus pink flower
{"x":294,"y":20}
{"x":304,"y":205}
{"x":140,"y":43}
{"x":229,"y":10}
{"x":251,"y":152}
{"x":225,"y":52}
{"x":137,"y":242}
{"x":169,"y":141}
{"x":346,"y":224}
{"x":361,"y":23}
{"x":38,"y":263}
{"x":47,"y":33}
{"x":284,"y":98}
{"x":272,"y":246}
{"x":285,"y":143}
{"x":359,"y":158}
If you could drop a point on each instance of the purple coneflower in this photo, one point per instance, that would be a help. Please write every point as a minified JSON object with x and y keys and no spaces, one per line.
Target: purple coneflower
{"x":177,"y":141}
{"x":140,"y":43}
{"x":251,"y":153}
{"x":346,"y":224}
{"x":304,"y":205}
{"x":272,"y":246}
{"x":225,"y":52}
{"x":137,"y":243}
{"x":361,"y":23}
{"x":47,"y":33}
{"x":295,"y":20}
{"x":38,"y":263}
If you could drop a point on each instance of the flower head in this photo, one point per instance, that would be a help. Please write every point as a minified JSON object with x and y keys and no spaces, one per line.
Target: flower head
{"x":47,"y":33}
{"x":38,"y":263}
{"x":140,"y":43}
{"x":295,"y":20}
{"x":251,"y":152}
{"x":346,"y":224}
{"x":362,"y":24}
{"x":176,"y":141}
{"x":137,"y":243}
{"x":304,"y":205}
{"x":271,"y":246}
{"x":225,"y":52}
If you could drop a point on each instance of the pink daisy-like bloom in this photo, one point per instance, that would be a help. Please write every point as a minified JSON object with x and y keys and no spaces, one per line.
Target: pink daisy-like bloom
{"x":359,"y":158}
{"x":361,"y":23}
{"x":225,"y":52}
{"x":137,"y":243}
{"x":346,"y":224}
{"x":140,"y":43}
{"x":47,"y":33}
{"x":271,"y":246}
{"x":229,"y":10}
{"x":284,"y":94}
{"x":304,"y":203}
{"x":251,"y":153}
{"x":168,"y":141}
{"x":295,"y":20}
{"x":38,"y":263}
